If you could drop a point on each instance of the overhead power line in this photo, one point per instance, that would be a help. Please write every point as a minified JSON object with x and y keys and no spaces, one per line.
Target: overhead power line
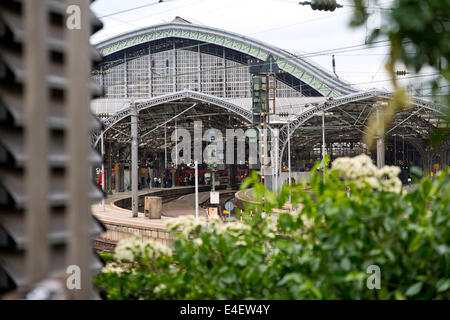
{"x":132,"y":9}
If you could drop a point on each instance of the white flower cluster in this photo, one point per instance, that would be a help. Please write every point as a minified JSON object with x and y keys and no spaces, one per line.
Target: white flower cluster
{"x":186,"y":225}
{"x":112,"y":267}
{"x":132,"y":247}
{"x":159,"y":288}
{"x":190,"y":226}
{"x":360,"y":169}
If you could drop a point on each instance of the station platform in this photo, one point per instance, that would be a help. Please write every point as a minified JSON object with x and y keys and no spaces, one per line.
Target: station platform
{"x":117,"y":215}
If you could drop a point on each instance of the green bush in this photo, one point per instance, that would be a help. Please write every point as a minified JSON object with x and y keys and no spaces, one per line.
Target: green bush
{"x":321,"y":252}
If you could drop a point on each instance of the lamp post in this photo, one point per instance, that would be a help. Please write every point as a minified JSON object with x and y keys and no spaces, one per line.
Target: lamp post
{"x":324,"y":151}
{"x":196,"y":188}
{"x":103,"y":171}
{"x":289,"y":154}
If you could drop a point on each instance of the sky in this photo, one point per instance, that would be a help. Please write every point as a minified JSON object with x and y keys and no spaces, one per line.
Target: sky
{"x":281,"y":23}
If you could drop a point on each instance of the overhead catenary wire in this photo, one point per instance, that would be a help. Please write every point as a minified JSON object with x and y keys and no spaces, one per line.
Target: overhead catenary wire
{"x":133,"y":9}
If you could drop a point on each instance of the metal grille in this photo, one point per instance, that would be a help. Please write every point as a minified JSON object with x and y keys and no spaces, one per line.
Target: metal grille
{"x":34,"y":150}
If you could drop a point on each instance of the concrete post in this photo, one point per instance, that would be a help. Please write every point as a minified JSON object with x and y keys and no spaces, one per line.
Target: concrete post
{"x":134,"y":161}
{"x":78,"y":215}
{"x":37,"y":177}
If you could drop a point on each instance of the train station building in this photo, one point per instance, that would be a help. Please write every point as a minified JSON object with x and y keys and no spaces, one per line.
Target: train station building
{"x":174,"y":75}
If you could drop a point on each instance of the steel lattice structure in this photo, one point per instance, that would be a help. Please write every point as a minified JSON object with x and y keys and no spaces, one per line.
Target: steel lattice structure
{"x":367,"y":99}
{"x":243,"y":113}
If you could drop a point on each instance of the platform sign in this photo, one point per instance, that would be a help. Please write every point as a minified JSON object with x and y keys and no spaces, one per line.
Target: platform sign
{"x":229,"y":206}
{"x":214,"y":197}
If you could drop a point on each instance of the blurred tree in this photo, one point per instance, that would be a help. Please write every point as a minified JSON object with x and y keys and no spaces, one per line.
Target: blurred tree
{"x":419,"y":36}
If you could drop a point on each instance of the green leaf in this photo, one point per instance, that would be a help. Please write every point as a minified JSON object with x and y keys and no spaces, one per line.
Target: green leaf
{"x":345,"y":264}
{"x":426,"y":186}
{"x":399,"y":296}
{"x":443,"y":285}
{"x":416,"y":171}
{"x":414,"y":289}
{"x":415,"y":243}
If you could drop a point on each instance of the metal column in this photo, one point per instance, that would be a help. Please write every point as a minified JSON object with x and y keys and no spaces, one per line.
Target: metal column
{"x":380,"y":140}
{"x":199,"y":69}
{"x":176,"y":144}
{"x":276,"y":152}
{"x":150,"y":71}
{"x":380,"y":152}
{"x":125,"y":73}
{"x":110,"y":167}
{"x":103,"y":169}
{"x":174,"y":67}
{"x":289,"y":153}
{"x":196,"y":188}
{"x":324,"y":150}
{"x":165,"y":146}
{"x":224,"y":74}
{"x":134,"y":161}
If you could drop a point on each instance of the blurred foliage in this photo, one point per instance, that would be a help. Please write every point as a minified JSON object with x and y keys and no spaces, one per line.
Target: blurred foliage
{"x":419,"y":36}
{"x":322,"y":252}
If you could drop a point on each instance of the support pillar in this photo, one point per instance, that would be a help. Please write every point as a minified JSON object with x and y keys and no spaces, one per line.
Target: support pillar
{"x":395,"y":150}
{"x":103,"y":170}
{"x":289,"y":154}
{"x":380,"y":152}
{"x":425,"y":161}
{"x":324,"y":149}
{"x":380,"y":140}
{"x":443,"y":159}
{"x":275,"y":158}
{"x":174,"y":178}
{"x":134,"y":161}
{"x":120,"y":179}
{"x":229,"y":176}
{"x":109,"y":172}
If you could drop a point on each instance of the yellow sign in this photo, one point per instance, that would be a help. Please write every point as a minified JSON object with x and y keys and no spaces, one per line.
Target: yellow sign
{"x":116,"y":167}
{"x":143,"y":170}
{"x":226,"y":212}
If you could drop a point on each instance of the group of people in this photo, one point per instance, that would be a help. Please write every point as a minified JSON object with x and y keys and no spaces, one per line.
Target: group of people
{"x":187,"y":180}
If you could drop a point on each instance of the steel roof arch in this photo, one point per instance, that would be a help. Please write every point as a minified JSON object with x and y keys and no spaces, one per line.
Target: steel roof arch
{"x":300,"y":118}
{"x":143,"y":104}
{"x":301,"y":68}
